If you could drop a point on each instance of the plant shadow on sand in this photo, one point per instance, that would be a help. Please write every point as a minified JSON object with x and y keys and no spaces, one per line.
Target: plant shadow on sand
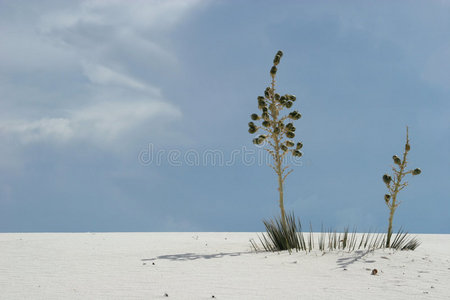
{"x":194,"y":256}
{"x":344,"y":262}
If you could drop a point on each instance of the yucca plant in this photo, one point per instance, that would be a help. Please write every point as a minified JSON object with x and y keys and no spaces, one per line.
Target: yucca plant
{"x":277,"y":129}
{"x":279,"y":237}
{"x":283,"y":236}
{"x":403,"y":241}
{"x":395,"y":185}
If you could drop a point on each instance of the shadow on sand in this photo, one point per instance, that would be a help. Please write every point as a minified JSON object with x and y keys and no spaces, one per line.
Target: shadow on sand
{"x":194,"y":256}
{"x":346,"y":261}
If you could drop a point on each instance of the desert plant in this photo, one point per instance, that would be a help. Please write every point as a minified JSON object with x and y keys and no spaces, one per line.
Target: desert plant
{"x":395,"y":185}
{"x":403,"y":241}
{"x":277,"y":133}
{"x":279,"y":237}
{"x":283,"y":236}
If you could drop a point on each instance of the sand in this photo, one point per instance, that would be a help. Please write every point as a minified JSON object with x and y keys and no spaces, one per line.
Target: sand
{"x":211,"y":266}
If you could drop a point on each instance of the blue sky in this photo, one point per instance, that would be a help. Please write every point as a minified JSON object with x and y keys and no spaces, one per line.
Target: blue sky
{"x":87,"y":87}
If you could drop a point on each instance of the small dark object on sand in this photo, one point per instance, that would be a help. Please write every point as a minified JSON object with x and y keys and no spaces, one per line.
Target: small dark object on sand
{"x":374,"y":272}
{"x":166,"y":295}
{"x":153,"y":263}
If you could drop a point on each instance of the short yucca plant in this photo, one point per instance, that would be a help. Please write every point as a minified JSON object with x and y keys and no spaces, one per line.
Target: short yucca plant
{"x":277,"y":130}
{"x":396,"y":184}
{"x":279,"y":237}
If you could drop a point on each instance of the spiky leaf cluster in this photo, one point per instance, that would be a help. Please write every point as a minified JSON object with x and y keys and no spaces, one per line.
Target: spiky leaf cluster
{"x":276,"y":120}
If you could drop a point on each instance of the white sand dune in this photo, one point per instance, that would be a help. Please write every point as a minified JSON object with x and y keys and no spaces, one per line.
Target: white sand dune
{"x":203,"y":265}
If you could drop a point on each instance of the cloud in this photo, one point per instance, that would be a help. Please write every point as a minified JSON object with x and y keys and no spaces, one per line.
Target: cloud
{"x":112,"y":31}
{"x":35,"y":130}
{"x":150,"y":15}
{"x":100,"y":123}
{"x":98,"y":74}
{"x":87,"y":71}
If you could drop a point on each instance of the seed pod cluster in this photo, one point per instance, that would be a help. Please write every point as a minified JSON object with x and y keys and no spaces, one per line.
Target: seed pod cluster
{"x":276,"y":61}
{"x":267,"y":92}
{"x":287,"y":100}
{"x":416,"y":171}
{"x":397,"y":160}
{"x":290,"y":127}
{"x":295,"y":115}
{"x":252,"y":127}
{"x":273,"y":71}
{"x":277,"y":58}
{"x":266,"y":123}
{"x":261,"y":102}
{"x":260,"y":139}
{"x":297,"y":153}
{"x":387,"y":197}
{"x":290,"y":130}
{"x":387,"y":179}
{"x":290,"y":143}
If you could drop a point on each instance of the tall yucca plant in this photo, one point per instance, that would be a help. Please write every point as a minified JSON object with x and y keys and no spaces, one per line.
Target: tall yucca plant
{"x":395,"y":185}
{"x":278,"y":130}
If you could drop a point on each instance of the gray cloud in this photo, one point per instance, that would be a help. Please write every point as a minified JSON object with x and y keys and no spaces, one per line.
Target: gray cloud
{"x":102,"y":122}
{"x":75,"y":73}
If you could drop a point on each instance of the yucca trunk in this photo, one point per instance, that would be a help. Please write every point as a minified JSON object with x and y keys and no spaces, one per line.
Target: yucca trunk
{"x":389,"y":234}
{"x":394,"y":205}
{"x":278,"y":160}
{"x":279,"y":171}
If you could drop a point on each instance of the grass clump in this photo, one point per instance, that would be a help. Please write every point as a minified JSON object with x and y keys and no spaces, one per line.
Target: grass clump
{"x":283,"y":235}
{"x":280,"y":237}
